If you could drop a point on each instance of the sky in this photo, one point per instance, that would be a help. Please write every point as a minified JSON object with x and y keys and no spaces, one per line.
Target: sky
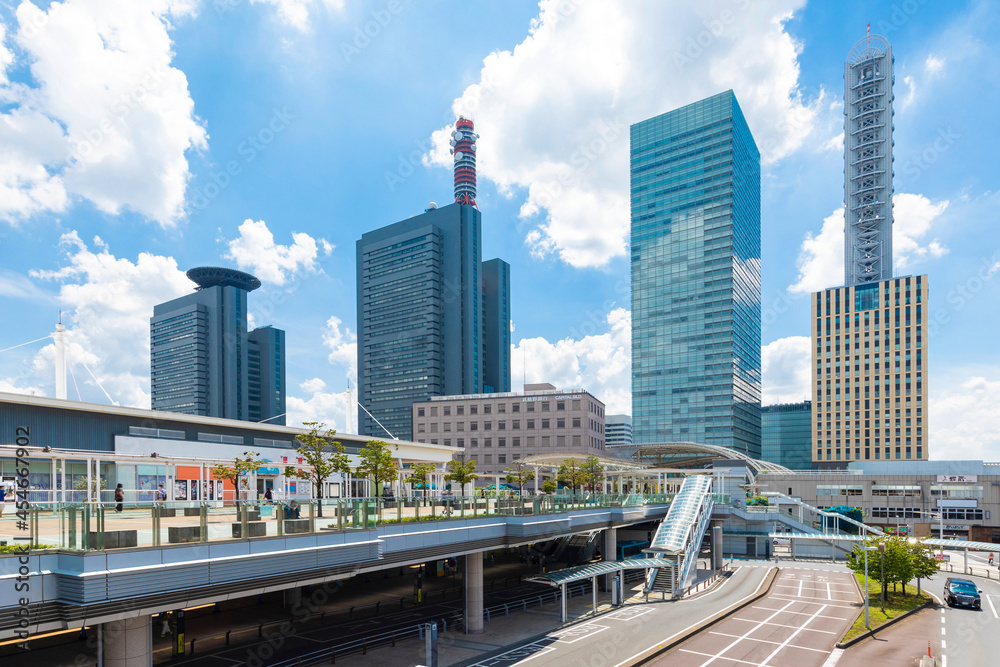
{"x":139,"y":139}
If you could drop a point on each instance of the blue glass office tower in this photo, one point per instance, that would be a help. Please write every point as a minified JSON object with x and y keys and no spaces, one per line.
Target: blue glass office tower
{"x":786,"y":434}
{"x":695,"y":190}
{"x":422,"y":313}
{"x":204,"y":362}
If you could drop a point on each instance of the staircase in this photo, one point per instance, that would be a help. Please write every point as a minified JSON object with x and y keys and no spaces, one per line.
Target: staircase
{"x":680,"y":535}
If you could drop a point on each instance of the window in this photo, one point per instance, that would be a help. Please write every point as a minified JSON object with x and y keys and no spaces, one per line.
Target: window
{"x":516,"y":424}
{"x":531,"y":407}
{"x":420,"y":412}
{"x":460,"y":410}
{"x":531,"y":441}
{"x":473,"y":426}
{"x":560,"y":441}
{"x":501,"y":425}
{"x":576,"y":405}
{"x":487,"y":426}
{"x":447,"y":442}
{"x":561,"y":423}
{"x":487,"y":409}
{"x":516,"y":443}
{"x":434,"y":411}
{"x":838,"y":489}
{"x":577,"y":441}
{"x":446,"y":411}
{"x":501,"y":459}
{"x":421,"y":428}
{"x":545,"y":406}
{"x":434,"y":427}
{"x":487,"y":459}
{"x":460,"y":426}
{"x":515,"y":408}
{"x":545,"y":423}
{"x":531,"y":423}
{"x":501,"y":442}
{"x":487,"y":442}
{"x":545,"y":441}
{"x":560,"y":405}
{"x":473,"y":409}
{"x":501,"y":408}
{"x":896,"y":490}
{"x":474,"y":442}
{"x":447,"y":426}
{"x":956,"y":490}
{"x":576,"y":422}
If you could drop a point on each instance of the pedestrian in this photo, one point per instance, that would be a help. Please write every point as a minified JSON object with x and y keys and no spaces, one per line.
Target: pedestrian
{"x":161,"y":493}
{"x":268,"y":496}
{"x":492,"y":560}
{"x":165,"y":630}
{"x":3,"y":499}
{"x":991,"y":558}
{"x":119,"y":498}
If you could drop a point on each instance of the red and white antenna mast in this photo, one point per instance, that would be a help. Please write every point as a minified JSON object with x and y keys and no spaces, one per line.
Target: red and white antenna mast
{"x":463,"y":147}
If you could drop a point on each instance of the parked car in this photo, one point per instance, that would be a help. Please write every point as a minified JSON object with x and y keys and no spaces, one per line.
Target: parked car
{"x":962,"y":592}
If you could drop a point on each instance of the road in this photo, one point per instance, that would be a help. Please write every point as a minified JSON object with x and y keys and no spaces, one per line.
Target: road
{"x":796,"y":625}
{"x":618,"y":637}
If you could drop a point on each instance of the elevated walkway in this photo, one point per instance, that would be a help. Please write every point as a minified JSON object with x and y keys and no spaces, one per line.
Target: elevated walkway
{"x":679,"y":536}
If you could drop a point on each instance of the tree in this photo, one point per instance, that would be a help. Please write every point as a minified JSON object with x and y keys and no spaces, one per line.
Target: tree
{"x":549,"y":486}
{"x":519,"y":475}
{"x":322,"y":454}
{"x":242,"y":466}
{"x":571,"y":474}
{"x":924,"y":563}
{"x":377,"y":464}
{"x":419,"y":473}
{"x":592,"y":471}
{"x":897,"y":559}
{"x":461,"y":471}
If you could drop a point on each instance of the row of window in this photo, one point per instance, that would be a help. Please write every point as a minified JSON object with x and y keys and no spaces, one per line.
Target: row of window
{"x":544,"y":406}
{"x":950,"y":513}
{"x":530,"y":441}
{"x":502,"y":425}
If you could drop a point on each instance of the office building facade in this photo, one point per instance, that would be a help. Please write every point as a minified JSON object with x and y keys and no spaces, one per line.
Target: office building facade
{"x":199,"y":351}
{"x":266,"y":375}
{"x":695,"y":243}
{"x":870,"y":356}
{"x":618,"y":435}
{"x":868,"y":125}
{"x":422,"y":312}
{"x":498,"y":429}
{"x":786,"y":434}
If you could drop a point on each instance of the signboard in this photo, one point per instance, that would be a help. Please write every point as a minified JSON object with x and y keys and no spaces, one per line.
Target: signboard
{"x":958,"y":478}
{"x":942,"y":557}
{"x":896,"y":530}
{"x":955,"y":527}
{"x":949,"y":502}
{"x":550,"y":397}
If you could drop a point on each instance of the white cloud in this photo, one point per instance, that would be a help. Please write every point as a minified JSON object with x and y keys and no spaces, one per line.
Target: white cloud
{"x":254,"y":250}
{"x":913,"y":216}
{"x":108,"y":302}
{"x":821,"y":257}
{"x":599,"y":363}
{"x":13,"y":386}
{"x":786,"y":369}
{"x":105,"y":116}
{"x":553,"y":113}
{"x":911,"y":92}
{"x":320,"y":406}
{"x":343,"y":346}
{"x":933,"y":64}
{"x":963,"y":418}
{"x":296,"y":12}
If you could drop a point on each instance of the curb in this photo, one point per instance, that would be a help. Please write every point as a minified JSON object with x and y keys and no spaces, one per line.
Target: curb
{"x":892,"y":621}
{"x":660,"y":649}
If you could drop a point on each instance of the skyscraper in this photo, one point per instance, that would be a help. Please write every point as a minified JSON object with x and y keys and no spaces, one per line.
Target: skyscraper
{"x":433,"y":318}
{"x":496,"y":326}
{"x":200,"y":352}
{"x":695,"y":193}
{"x":786,"y":438}
{"x":868,"y":144}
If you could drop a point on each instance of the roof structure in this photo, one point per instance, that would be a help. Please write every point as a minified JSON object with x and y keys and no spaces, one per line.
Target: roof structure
{"x":581,"y":572}
{"x":698,"y":455}
{"x":556,"y":459}
{"x":212,"y":276}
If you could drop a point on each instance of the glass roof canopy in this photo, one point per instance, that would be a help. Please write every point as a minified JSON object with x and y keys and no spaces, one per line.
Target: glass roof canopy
{"x":590,"y":570}
{"x":682,"y":514}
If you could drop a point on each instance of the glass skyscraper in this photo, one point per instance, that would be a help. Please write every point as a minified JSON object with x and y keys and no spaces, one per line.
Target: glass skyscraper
{"x":787,"y":434}
{"x":695,"y":195}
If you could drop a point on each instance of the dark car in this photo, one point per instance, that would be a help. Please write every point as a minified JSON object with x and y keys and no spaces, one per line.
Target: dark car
{"x":962,"y":592}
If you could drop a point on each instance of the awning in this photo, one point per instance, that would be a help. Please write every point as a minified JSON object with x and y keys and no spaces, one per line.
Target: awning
{"x":960,"y":544}
{"x":818,"y":536}
{"x":583,"y":572}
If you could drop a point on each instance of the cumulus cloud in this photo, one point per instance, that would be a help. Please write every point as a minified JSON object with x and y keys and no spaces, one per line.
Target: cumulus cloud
{"x":343,"y":347}
{"x":320,"y":405}
{"x":108,"y":301}
{"x":105,"y":117}
{"x":553,"y":113}
{"x":963,"y":416}
{"x":933,"y":64}
{"x":600,"y":363}
{"x":911,"y":92}
{"x":296,"y":12}
{"x":821,"y":257}
{"x":254,"y":250}
{"x":786,"y":370}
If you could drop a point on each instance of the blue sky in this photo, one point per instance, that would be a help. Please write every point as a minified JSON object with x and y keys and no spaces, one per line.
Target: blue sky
{"x":139,"y":139}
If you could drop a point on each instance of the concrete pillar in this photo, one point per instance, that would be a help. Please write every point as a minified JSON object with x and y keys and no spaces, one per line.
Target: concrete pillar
{"x":128,"y":643}
{"x":293,"y":597}
{"x":716,"y":547}
{"x":474,"y":593}
{"x":609,"y":550}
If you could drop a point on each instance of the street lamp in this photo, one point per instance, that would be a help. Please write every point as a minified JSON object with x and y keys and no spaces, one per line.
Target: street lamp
{"x":881,"y":583}
{"x":867,"y":549}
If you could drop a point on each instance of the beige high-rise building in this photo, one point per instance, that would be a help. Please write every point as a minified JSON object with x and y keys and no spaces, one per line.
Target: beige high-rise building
{"x":869,"y":390}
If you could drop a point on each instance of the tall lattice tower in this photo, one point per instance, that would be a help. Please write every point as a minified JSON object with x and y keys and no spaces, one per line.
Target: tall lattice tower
{"x":463,"y":147}
{"x":868,"y":96}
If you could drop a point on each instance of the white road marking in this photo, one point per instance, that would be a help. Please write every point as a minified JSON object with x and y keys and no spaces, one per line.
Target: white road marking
{"x":942,"y":630}
{"x":829,"y":595}
{"x":748,"y":633}
{"x":765,"y":641}
{"x":806,"y":601}
{"x":805,"y":613}
{"x":709,"y":655}
{"x":834,"y":658}
{"x":785,"y":643}
{"x":800,"y":588}
{"x":943,"y":644}
{"x":781,"y":625}
{"x":992,"y":608}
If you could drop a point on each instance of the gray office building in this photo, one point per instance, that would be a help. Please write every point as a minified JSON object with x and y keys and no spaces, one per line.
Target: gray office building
{"x":422,"y":312}
{"x":695,"y":243}
{"x":200,"y":352}
{"x":618,"y":435}
{"x":786,"y":434}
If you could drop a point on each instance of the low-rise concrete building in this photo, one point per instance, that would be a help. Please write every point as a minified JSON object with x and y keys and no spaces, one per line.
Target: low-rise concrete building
{"x":497,"y":429}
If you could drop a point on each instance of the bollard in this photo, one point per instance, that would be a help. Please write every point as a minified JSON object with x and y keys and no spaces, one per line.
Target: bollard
{"x":192,"y":645}
{"x":260,"y":630}
{"x":487,"y":612}
{"x":524,"y":605}
{"x":506,"y":611}
{"x":227,"y":636}
{"x":333,"y":656}
{"x":377,"y":606}
{"x":364,"y":647}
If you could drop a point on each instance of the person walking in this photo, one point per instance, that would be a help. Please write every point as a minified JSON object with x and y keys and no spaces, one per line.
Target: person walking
{"x":165,"y":630}
{"x":991,"y":559}
{"x":119,"y":498}
{"x":3,"y":499}
{"x":161,"y":493}
{"x":268,"y":496}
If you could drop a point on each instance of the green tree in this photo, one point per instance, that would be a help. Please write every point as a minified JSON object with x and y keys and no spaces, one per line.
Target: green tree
{"x":419,"y":473}
{"x":571,"y":475}
{"x":592,"y":471}
{"x":894,"y":565}
{"x":549,"y":486}
{"x":323,"y":455}
{"x":377,"y":464}
{"x":461,"y":471}
{"x":242,"y":467}
{"x":519,"y":474}
{"x":922,"y":556}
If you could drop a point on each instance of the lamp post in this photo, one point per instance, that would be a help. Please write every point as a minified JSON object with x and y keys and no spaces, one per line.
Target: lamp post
{"x":867,"y":592}
{"x":881,"y":583}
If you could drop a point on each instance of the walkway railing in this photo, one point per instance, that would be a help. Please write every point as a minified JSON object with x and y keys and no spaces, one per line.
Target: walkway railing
{"x":98,"y":526}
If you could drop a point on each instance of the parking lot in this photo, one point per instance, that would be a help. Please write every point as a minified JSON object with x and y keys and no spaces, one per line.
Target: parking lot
{"x":796,"y":625}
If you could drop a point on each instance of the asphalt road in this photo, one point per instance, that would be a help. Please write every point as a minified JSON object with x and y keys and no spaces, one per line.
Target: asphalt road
{"x":617,"y":637}
{"x":796,"y":625}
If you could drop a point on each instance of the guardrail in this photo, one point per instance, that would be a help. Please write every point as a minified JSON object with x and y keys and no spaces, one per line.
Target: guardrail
{"x":707,"y":582}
